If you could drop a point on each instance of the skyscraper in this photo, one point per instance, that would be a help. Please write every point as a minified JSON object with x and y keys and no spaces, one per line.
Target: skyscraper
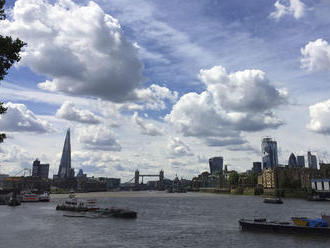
{"x":65,"y":170}
{"x":216,"y":165}
{"x":312,"y":161}
{"x":301,"y":161}
{"x":269,"y":153}
{"x":40,"y":170}
{"x":257,"y":167}
{"x":292,"y":163}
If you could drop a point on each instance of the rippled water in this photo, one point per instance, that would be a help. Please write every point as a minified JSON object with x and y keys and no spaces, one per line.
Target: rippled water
{"x":164,"y":220}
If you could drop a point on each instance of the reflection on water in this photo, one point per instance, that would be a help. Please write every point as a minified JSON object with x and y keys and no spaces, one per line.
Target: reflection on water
{"x":164,"y":220}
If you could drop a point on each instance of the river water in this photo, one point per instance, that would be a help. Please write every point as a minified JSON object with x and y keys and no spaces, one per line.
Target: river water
{"x":164,"y":220}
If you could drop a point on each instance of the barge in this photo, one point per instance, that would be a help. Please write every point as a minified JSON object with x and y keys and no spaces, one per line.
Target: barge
{"x":280,"y":227}
{"x":273,"y":200}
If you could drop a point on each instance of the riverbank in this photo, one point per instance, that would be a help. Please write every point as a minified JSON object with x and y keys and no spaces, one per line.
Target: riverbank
{"x":288,"y":193}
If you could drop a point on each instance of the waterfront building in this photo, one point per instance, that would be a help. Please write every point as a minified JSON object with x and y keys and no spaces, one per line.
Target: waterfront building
{"x":40,"y":170}
{"x":257,"y":168}
{"x":292,"y":163}
{"x":65,"y":170}
{"x":112,"y":183}
{"x":312,"y":161}
{"x":301,"y":161}
{"x":269,"y":153}
{"x":216,"y":165}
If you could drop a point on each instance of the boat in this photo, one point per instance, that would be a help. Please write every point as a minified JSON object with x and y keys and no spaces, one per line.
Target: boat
{"x":30,"y":197}
{"x":315,"y":226}
{"x":273,"y":200}
{"x":44,"y":197}
{"x":117,"y":212}
{"x":106,"y":213}
{"x":300,"y":221}
{"x":73,"y":204}
{"x":13,"y":202}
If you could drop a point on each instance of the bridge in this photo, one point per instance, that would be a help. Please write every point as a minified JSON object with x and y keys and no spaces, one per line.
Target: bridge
{"x":138,"y":185}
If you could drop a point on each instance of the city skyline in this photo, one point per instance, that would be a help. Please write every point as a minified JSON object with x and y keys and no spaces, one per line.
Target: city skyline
{"x":154,"y":88}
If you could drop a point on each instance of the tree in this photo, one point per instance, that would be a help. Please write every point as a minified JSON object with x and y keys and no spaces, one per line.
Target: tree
{"x":9,"y":54}
{"x":233,"y":178}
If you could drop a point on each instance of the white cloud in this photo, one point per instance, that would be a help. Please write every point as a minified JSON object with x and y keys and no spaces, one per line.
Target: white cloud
{"x":146,"y":128}
{"x":296,"y":8}
{"x":19,"y":118}
{"x":154,"y":96}
{"x":316,"y":55}
{"x":177,"y":148}
{"x":240,"y":101}
{"x":320,"y":117}
{"x":70,"y":112}
{"x":80,"y":48}
{"x":98,"y":138}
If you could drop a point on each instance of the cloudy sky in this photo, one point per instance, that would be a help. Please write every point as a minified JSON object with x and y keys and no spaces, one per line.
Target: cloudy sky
{"x":153,"y":85}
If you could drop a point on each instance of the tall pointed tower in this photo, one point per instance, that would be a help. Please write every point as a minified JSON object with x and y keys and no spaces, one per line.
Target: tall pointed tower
{"x":64,"y":170}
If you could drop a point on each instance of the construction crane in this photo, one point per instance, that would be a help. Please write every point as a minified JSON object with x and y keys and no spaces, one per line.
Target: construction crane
{"x":24,"y":171}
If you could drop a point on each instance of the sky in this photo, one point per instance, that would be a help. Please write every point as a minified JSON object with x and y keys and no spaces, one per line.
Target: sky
{"x":154,"y":85}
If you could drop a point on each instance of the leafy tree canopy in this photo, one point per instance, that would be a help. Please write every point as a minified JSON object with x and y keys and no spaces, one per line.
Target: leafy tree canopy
{"x":9,"y":54}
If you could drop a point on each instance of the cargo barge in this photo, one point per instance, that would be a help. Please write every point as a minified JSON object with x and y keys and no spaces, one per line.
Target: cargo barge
{"x":280,"y":227}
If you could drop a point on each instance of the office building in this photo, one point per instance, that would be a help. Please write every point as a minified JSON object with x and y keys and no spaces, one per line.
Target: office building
{"x":292,"y":163}
{"x":301,"y":161}
{"x":312,"y":161}
{"x":269,"y":153}
{"x":216,"y":165}
{"x":257,"y":167}
{"x":40,"y":170}
{"x":65,"y":170}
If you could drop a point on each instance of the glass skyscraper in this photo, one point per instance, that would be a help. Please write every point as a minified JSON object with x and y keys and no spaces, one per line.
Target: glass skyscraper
{"x":65,"y":171}
{"x":269,"y":153}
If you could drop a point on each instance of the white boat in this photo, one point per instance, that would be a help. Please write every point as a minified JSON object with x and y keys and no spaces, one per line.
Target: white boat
{"x":30,"y":197}
{"x":44,"y":197}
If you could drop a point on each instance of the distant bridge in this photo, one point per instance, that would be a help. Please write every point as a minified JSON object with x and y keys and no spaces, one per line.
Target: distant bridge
{"x":137,"y":177}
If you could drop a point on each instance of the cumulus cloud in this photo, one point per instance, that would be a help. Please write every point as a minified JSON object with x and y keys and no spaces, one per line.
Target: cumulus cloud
{"x":296,"y":8}
{"x":19,"y":118}
{"x":80,"y":48}
{"x":177,"y":148}
{"x":14,"y":153}
{"x":94,"y":158}
{"x":320,"y":117}
{"x":146,"y":128}
{"x":316,"y":55}
{"x":70,"y":112}
{"x":231,"y":103}
{"x":98,"y":138}
{"x":154,"y":96}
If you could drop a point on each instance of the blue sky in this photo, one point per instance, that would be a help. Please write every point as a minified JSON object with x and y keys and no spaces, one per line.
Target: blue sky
{"x":205,"y":78}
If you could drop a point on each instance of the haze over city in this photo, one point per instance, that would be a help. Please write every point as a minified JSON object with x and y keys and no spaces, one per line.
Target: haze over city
{"x":165,"y":84}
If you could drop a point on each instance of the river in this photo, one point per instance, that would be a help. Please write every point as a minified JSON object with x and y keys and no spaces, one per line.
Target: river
{"x":164,"y":220}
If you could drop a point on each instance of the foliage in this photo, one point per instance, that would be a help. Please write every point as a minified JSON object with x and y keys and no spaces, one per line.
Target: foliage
{"x":9,"y":54}
{"x":233,"y":178}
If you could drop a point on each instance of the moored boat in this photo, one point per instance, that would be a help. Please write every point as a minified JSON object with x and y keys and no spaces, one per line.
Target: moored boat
{"x":285,"y":227}
{"x":13,"y":202}
{"x":30,"y":197}
{"x":44,"y":197}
